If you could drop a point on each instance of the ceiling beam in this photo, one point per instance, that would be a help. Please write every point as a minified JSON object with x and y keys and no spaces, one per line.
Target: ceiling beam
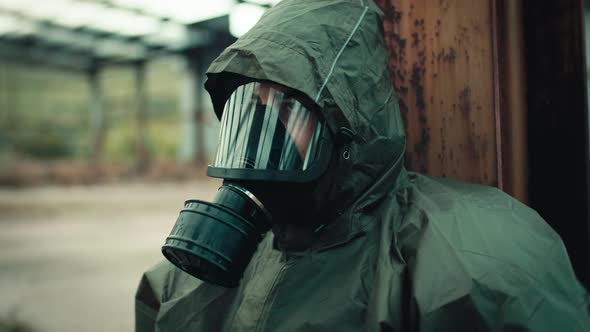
{"x":88,"y":38}
{"x":49,"y":43}
{"x":111,"y":4}
{"x":35,"y":54}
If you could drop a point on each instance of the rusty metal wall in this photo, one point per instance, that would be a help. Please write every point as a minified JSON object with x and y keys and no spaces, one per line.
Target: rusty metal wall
{"x":492,"y":91}
{"x":443,"y":68}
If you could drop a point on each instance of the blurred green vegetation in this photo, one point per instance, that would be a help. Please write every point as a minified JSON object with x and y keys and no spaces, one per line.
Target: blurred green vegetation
{"x":44,"y":112}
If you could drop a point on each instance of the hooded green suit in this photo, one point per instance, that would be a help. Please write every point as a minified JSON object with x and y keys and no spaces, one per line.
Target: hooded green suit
{"x":400,"y":251}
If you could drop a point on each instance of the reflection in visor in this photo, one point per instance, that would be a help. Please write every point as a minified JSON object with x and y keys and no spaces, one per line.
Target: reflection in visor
{"x":262,"y":127}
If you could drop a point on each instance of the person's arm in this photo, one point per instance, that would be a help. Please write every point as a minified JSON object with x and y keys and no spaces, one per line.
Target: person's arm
{"x":501,"y":301}
{"x":148,"y":298}
{"x":564,"y":304}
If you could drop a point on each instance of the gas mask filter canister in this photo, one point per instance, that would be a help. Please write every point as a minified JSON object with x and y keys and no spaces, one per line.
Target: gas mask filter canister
{"x":215,"y":241}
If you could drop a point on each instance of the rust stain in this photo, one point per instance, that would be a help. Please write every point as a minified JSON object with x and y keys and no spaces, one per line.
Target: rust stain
{"x":415,"y":40}
{"x":447,"y":56}
{"x":417,"y":83}
{"x":396,"y":45}
{"x":465,"y":101}
{"x":444,"y":4}
{"x":417,"y":158}
{"x":440,"y":63}
{"x":473,"y":146}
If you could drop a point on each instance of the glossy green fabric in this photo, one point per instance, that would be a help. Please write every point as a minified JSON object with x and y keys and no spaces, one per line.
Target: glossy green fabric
{"x":400,"y":251}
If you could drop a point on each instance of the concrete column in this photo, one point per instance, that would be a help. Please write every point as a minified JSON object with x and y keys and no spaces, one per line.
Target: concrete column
{"x":186,"y":146}
{"x":96,"y":118}
{"x":143,"y":156}
{"x":191,"y":145}
{"x":199,"y":117}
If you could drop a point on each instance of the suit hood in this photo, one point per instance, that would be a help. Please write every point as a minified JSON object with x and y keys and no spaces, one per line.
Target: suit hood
{"x":333,"y":52}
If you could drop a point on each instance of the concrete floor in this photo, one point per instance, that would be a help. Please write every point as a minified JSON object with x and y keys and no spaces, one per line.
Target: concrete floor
{"x":71,"y":257}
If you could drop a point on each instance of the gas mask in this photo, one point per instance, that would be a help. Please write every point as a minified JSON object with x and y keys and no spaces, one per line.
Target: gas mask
{"x":273,"y":143}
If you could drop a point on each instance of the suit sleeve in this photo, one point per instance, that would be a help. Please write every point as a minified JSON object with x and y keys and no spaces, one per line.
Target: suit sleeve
{"x":548,"y":302}
{"x":524,"y":283}
{"x":148,"y":298}
{"x":563,"y":303}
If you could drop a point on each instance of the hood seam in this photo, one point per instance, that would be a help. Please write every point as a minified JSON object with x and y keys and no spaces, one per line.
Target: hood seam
{"x":358,"y":23}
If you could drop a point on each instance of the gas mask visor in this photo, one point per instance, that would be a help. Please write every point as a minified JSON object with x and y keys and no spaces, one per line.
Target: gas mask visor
{"x":268,"y":133}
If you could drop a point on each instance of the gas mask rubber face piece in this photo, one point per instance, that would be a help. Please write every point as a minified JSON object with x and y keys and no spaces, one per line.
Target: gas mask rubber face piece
{"x":273,"y":142}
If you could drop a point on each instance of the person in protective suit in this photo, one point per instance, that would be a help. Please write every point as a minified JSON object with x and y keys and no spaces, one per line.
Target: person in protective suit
{"x":319,"y":227}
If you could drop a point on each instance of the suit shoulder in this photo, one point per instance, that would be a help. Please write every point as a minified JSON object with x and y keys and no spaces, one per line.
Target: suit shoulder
{"x":474,"y":232}
{"x":471,"y":206}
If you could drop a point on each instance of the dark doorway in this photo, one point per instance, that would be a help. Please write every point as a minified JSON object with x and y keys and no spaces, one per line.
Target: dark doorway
{"x":557,"y":121}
